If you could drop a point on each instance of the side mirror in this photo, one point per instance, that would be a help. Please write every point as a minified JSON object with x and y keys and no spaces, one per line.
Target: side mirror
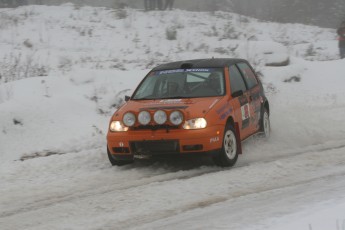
{"x":127,"y":98}
{"x":237,"y":93}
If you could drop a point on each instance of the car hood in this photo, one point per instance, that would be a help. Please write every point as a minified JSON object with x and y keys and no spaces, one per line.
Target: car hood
{"x":191,"y":107}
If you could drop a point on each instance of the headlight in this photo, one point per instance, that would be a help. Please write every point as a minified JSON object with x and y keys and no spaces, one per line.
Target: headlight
{"x":176,"y":118}
{"x":117,"y":126}
{"x":144,"y":117}
{"x":129,"y":119}
{"x":197,"y":123}
{"x":160,"y":117}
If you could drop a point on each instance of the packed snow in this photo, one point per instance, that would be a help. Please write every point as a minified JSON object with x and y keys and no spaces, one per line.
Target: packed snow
{"x":64,"y":71}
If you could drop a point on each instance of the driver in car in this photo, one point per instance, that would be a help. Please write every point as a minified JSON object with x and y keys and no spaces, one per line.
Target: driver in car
{"x":213,"y":82}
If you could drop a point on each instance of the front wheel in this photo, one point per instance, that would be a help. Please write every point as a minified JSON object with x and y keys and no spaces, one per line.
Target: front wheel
{"x":228,"y":155}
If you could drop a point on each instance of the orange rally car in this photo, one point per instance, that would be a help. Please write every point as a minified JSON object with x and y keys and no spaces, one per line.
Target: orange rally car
{"x":190,"y":107}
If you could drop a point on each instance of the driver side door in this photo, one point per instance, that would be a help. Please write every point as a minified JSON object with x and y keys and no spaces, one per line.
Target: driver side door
{"x":240,"y":100}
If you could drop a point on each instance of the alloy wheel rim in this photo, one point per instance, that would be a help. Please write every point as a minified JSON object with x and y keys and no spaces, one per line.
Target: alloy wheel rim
{"x":230,"y":146}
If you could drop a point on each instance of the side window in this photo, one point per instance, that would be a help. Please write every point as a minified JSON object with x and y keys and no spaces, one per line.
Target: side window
{"x":236,"y":80}
{"x":248,"y":75}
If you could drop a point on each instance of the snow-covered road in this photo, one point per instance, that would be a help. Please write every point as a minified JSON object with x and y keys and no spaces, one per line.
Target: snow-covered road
{"x":154,"y":195}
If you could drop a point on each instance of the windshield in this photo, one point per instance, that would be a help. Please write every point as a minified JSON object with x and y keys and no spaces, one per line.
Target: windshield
{"x":181,"y":83}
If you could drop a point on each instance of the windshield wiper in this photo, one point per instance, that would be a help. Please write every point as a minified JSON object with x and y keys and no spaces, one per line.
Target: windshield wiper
{"x":145,"y":98}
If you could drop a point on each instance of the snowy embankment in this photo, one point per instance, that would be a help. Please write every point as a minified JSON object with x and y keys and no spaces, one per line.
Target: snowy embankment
{"x":54,"y":173}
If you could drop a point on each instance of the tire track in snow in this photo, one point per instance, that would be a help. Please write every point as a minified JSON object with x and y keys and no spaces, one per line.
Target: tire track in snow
{"x":40,"y":204}
{"x":308,"y":149}
{"x":170,"y":176}
{"x":152,"y":217}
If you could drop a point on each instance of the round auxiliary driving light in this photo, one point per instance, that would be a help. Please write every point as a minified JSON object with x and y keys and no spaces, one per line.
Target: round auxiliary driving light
{"x":160,"y":117}
{"x":176,"y":118}
{"x":144,"y":117}
{"x":129,"y":119}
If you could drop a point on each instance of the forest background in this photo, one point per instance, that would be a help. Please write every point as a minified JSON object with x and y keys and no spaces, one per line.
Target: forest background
{"x":323,"y":13}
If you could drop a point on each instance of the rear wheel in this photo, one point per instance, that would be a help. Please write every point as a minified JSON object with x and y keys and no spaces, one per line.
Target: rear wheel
{"x":229,"y":153}
{"x":265,"y":125}
{"x":114,"y":161}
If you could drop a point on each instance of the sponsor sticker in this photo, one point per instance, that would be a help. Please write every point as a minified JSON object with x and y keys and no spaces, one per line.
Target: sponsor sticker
{"x":202,"y":70}
{"x":214,"y":139}
{"x":199,"y":70}
{"x":245,"y":111}
{"x":170,"y":71}
{"x":225,"y":114}
{"x":170,"y":101}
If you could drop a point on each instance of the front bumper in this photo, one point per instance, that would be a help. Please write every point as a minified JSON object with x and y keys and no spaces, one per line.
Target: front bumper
{"x":165,"y":142}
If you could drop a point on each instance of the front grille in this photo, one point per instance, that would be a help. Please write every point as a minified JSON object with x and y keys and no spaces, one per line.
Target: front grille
{"x":155,"y":147}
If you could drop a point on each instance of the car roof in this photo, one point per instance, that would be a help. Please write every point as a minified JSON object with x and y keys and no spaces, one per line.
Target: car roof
{"x":199,"y":63}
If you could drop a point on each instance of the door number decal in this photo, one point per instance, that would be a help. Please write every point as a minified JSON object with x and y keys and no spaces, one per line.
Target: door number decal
{"x":245,"y":112}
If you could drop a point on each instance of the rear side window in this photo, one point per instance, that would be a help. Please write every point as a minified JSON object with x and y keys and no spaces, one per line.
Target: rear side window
{"x":236,"y":80}
{"x":248,"y":75}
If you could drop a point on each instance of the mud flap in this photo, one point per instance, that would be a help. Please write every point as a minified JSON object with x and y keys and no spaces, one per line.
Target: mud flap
{"x":238,"y":138}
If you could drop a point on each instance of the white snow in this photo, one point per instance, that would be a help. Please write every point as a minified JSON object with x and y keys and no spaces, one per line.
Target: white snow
{"x":65,"y":69}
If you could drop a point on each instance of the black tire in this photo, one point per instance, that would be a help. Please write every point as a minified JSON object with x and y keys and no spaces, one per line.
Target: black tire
{"x":117,"y":162}
{"x":265,"y":124}
{"x":228,"y":155}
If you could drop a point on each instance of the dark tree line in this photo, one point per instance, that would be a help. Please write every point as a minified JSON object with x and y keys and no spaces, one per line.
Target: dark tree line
{"x":326,"y":13}
{"x":12,"y":3}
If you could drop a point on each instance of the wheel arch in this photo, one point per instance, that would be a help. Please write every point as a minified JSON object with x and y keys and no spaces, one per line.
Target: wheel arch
{"x":230,"y":121}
